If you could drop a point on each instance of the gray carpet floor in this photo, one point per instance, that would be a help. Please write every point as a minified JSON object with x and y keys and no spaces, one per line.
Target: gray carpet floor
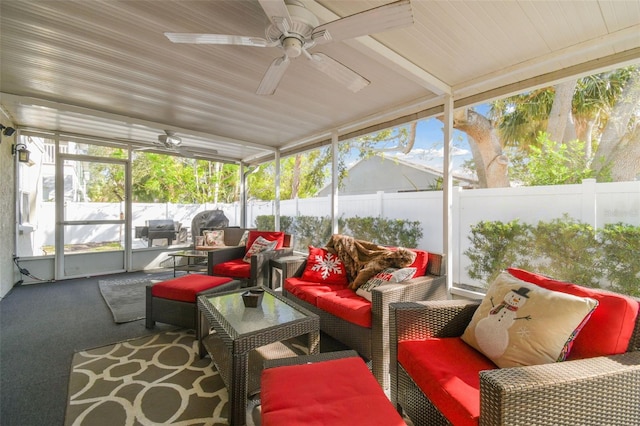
{"x":41,"y":326}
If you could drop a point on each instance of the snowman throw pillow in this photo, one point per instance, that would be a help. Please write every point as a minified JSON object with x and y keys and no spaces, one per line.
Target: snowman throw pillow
{"x":519,"y":323}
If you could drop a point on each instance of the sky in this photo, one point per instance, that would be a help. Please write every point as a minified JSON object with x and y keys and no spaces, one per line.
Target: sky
{"x":429,"y":147}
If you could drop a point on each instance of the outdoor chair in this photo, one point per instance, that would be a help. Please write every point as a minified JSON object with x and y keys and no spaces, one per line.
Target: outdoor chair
{"x":250,"y":266}
{"x":598,"y":383}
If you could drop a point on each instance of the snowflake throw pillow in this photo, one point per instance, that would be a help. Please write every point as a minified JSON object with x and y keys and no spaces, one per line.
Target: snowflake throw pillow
{"x":389,"y":275}
{"x":324,"y":267}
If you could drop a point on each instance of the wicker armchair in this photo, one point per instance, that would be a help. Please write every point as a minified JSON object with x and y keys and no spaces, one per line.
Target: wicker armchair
{"x":257,"y":274}
{"x":373,"y":343}
{"x":593,"y":391}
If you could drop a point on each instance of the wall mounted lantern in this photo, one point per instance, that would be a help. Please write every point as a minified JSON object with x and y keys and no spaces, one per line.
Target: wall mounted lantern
{"x":23,"y":152}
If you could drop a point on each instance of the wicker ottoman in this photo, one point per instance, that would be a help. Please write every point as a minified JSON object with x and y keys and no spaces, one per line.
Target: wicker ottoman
{"x":174,"y":301}
{"x":331,"y":388}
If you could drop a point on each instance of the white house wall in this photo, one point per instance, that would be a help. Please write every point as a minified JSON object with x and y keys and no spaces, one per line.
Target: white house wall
{"x":8,"y":275}
{"x":382,"y":174}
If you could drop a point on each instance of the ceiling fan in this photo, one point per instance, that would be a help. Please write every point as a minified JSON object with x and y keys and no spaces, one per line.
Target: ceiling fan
{"x":170,"y":142}
{"x":295,"y":29}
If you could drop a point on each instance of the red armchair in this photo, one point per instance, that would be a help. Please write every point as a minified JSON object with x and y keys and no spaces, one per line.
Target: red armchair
{"x":230,"y":262}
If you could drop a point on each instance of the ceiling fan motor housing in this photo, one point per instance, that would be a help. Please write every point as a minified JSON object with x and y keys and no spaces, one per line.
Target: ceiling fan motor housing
{"x":303,"y":22}
{"x":169,"y":140}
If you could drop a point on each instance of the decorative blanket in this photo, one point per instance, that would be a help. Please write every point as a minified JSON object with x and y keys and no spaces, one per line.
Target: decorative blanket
{"x":363,"y":259}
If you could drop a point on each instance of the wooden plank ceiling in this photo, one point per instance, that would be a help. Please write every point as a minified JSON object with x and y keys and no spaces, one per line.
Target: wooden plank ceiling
{"x":105,"y":69}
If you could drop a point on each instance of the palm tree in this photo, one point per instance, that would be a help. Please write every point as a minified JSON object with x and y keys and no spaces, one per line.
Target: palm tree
{"x":601,"y":110}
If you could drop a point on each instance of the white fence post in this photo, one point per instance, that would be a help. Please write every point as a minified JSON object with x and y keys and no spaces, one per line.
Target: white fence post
{"x":589,"y":203}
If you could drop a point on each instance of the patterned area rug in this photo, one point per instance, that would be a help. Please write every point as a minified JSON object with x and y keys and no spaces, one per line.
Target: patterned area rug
{"x":126,"y":297}
{"x":153,"y":380}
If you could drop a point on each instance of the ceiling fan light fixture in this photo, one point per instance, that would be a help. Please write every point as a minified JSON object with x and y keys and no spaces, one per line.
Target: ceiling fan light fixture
{"x":292,"y":47}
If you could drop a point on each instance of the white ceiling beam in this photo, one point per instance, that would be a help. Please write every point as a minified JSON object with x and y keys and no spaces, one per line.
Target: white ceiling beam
{"x":574,"y":55}
{"x":618,"y":60}
{"x":381,"y":53}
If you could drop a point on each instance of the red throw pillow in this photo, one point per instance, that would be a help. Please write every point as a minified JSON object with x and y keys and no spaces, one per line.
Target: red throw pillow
{"x":267,"y":235}
{"x":421,"y":262}
{"x":324,"y":267}
{"x":611,"y":325}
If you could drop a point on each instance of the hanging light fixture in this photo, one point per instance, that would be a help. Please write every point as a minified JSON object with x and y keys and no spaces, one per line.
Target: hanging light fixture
{"x":22,"y":151}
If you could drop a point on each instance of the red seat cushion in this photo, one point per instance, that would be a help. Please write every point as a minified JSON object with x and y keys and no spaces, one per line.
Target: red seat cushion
{"x":447,"y":371}
{"x":340,"y":392}
{"x":186,"y":288}
{"x":236,"y":268}
{"x":309,"y":291}
{"x":611,"y":325}
{"x":346,"y":304}
{"x":267,"y":235}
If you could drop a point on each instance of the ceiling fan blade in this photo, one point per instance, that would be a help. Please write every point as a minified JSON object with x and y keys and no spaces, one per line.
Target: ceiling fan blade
{"x":273,"y":76}
{"x":379,"y":19}
{"x":339,"y":72}
{"x":278,"y":14}
{"x":217,"y":39}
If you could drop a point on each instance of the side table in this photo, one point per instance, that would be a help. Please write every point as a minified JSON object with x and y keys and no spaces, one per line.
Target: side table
{"x":196,"y":261}
{"x":284,"y":267}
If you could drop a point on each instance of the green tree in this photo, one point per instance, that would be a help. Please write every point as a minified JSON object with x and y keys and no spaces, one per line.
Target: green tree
{"x":600,"y":110}
{"x":162,"y":178}
{"x":548,"y":163}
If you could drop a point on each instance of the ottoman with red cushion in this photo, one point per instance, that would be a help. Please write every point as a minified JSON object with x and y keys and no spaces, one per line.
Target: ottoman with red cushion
{"x":174,"y":301}
{"x":332,"y":388}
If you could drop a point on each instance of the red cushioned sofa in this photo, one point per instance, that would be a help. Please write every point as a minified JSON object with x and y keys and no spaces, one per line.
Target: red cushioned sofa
{"x":360,"y":324}
{"x":228,"y":262}
{"x":438,"y":379}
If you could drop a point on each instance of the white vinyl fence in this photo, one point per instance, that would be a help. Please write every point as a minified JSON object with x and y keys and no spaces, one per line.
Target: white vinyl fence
{"x":593,"y":203}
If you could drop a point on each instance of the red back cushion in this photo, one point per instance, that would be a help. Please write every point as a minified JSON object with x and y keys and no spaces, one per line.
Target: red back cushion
{"x":611,"y":325}
{"x":267,"y":235}
{"x":324,"y":268}
{"x":421,"y":262}
{"x":422,"y":259}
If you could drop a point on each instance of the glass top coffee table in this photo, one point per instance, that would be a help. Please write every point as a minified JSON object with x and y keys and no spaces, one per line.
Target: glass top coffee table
{"x":240,"y":330}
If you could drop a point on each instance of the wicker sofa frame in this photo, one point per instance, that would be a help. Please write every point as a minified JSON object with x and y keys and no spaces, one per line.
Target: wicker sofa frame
{"x":260,"y":269}
{"x":373,"y":343}
{"x":593,"y":391}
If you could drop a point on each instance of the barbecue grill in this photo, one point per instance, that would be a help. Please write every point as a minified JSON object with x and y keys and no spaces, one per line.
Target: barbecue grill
{"x":158,"y":229}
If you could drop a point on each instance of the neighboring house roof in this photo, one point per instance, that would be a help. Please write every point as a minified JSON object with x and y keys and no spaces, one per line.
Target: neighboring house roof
{"x":392,"y":174}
